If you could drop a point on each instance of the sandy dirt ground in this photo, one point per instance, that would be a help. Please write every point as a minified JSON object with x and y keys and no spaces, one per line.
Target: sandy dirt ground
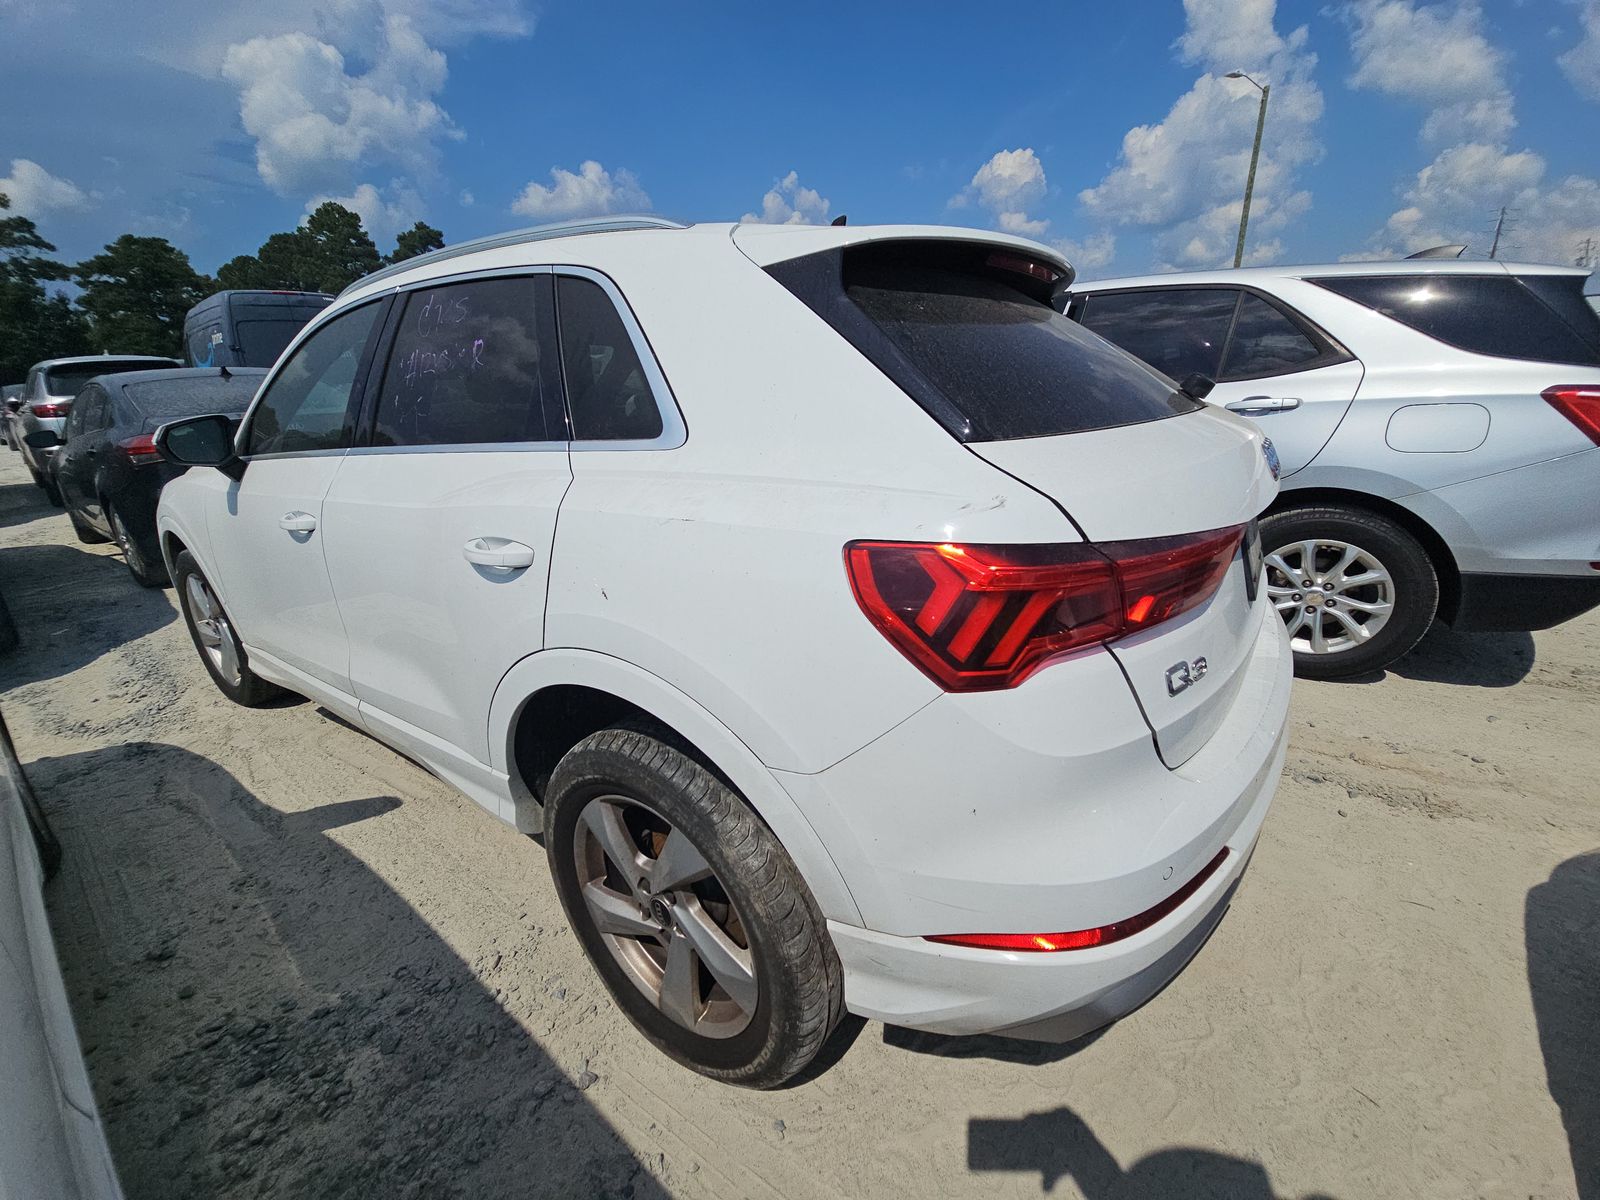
{"x":301,"y":966}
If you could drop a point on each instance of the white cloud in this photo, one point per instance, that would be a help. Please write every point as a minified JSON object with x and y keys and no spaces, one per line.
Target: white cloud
{"x":1008,"y":185}
{"x":467,"y":199}
{"x":1170,"y":174}
{"x":787,"y":203}
{"x":316,"y":124}
{"x":592,"y":191}
{"x":1582,"y":62}
{"x":1442,"y":58}
{"x":1438,"y":56}
{"x":383,"y":216}
{"x":1093,"y":253}
{"x":32,"y":190}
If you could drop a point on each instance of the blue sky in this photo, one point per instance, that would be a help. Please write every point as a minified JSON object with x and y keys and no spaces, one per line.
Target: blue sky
{"x":1105,"y":129}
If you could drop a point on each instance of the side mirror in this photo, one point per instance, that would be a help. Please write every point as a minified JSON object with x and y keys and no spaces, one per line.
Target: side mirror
{"x":13,"y":404}
{"x":1197,"y":385}
{"x":200,"y":442}
{"x":43,"y":439}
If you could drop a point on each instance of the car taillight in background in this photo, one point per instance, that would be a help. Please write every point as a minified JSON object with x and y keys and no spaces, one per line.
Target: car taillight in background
{"x":140,"y":448}
{"x":1580,"y":404}
{"x":50,"y":408}
{"x":981,"y":617}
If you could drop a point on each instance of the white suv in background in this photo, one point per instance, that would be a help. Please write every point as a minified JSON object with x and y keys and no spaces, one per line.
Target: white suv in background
{"x":1439,"y":428}
{"x":858,"y":631}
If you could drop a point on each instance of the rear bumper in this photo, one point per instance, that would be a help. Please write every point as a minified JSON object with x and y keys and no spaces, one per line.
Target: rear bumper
{"x":1523,"y":602}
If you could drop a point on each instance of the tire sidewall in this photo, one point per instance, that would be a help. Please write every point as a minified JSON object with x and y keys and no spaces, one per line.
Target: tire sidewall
{"x":1415,"y":583}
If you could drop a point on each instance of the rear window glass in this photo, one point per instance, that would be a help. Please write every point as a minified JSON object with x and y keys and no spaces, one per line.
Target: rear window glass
{"x":988,"y":359}
{"x":1485,"y":314}
{"x":69,"y":381}
{"x":171,"y":398}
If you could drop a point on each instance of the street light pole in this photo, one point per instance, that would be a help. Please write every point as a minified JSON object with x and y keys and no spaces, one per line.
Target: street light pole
{"x":1255,"y":157}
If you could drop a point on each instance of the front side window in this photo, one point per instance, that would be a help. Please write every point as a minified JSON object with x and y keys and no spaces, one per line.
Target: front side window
{"x":1265,"y":342}
{"x":1178,"y":331}
{"x":472,"y":364}
{"x":305,"y":406}
{"x":608,"y":393}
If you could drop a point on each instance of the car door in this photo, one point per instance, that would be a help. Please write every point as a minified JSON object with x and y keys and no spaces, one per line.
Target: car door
{"x":266,"y":534}
{"x":439,"y":527}
{"x":1269,"y":363}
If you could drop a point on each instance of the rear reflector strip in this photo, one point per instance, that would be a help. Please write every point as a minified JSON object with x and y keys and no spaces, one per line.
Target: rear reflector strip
{"x":1082,"y":939}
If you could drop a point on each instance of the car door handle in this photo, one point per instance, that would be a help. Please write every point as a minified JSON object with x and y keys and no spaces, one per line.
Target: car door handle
{"x":1262,"y":404}
{"x":297,"y":522}
{"x":499,"y":554}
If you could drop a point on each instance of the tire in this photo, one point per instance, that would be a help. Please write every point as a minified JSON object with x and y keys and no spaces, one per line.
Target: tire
{"x":248,"y":688}
{"x":86,"y":535}
{"x":145,"y":573}
{"x":52,"y":493}
{"x":1394,"y":580}
{"x":785,"y":988}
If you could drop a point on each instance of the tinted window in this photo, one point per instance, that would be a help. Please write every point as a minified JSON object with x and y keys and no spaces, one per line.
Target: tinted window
{"x":69,"y":381}
{"x":608,"y":393}
{"x":168,"y":399}
{"x":1265,"y":342}
{"x":468,"y":366}
{"x":304,"y":408}
{"x":1177,"y":331}
{"x":260,"y":342}
{"x":1486,"y":314}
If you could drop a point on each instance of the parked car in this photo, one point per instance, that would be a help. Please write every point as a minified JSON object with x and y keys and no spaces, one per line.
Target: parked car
{"x":106,"y":466}
{"x":247,"y":329}
{"x":47,"y":398}
{"x":1435,"y":422}
{"x":900,"y":646}
{"x":10,"y":401}
{"x":52,"y":1144}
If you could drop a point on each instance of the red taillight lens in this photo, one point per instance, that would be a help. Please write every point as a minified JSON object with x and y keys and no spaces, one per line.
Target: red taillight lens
{"x":51,"y":408}
{"x":140,"y":449}
{"x":1580,"y":404}
{"x":975,"y":618}
{"x":1082,"y":939}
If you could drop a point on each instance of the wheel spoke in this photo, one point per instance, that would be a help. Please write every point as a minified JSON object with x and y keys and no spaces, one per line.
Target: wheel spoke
{"x":199,"y":599}
{"x":230,"y":652}
{"x":1356,"y":630}
{"x":729,"y":964}
{"x":209,"y":637}
{"x":678,"y":865}
{"x":1336,"y":572}
{"x":1277,"y":563}
{"x":1308,"y":559}
{"x":1372,"y":577}
{"x":1367,"y":606}
{"x":604,"y":820}
{"x":1293,"y":627}
{"x":615,"y":913}
{"x":1319,"y":641}
{"x":679,"y":997}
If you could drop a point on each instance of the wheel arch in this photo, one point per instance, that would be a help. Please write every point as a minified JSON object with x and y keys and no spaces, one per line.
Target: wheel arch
{"x":1433,"y":544}
{"x":551,"y":700}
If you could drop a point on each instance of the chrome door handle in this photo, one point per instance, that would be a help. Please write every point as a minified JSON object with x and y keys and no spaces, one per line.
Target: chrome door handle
{"x":1262,"y":404}
{"x":498,"y":554}
{"x":297,"y":522}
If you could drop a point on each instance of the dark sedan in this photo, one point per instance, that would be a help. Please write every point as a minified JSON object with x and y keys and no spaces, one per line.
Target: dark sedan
{"x":107,"y":469}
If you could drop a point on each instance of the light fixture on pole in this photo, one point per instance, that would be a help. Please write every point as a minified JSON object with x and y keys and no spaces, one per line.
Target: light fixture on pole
{"x":1255,"y":155}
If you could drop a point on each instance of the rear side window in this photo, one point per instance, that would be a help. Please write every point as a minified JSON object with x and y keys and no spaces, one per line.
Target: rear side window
{"x":470,"y":366}
{"x":1498,"y":315}
{"x":608,"y":392}
{"x":306,"y":405}
{"x":968,"y":332}
{"x":1266,"y":342}
{"x":1178,"y":331}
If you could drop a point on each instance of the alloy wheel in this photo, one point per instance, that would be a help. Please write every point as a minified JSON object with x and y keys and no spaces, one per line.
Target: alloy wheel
{"x":212,"y":628}
{"x":1333,"y":596}
{"x":665,"y":917}
{"x":125,"y":543}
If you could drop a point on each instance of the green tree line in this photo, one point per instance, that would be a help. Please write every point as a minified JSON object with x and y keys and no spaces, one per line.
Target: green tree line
{"x":133,"y":295}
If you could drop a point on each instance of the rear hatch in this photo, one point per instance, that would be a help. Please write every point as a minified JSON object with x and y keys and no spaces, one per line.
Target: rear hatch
{"x":969,"y":331}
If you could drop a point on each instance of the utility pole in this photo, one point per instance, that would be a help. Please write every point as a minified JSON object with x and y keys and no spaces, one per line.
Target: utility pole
{"x":1498,"y":226}
{"x":1255,"y":156}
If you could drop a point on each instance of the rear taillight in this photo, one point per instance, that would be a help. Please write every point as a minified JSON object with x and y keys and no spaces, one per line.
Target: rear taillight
{"x":976,"y":618}
{"x":1580,"y":404}
{"x":50,"y":408}
{"x":140,"y":449}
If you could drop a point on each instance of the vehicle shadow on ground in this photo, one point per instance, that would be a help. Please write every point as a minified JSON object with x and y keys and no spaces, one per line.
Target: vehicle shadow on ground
{"x":987,"y":1046}
{"x":1492,"y":660}
{"x":70,"y":607}
{"x":21,"y":503}
{"x":262,"y":1013}
{"x":1562,"y":922}
{"x":1060,"y":1145}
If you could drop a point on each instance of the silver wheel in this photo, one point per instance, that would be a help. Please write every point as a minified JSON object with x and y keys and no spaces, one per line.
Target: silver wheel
{"x":1332,"y":596}
{"x":665,"y":917}
{"x":211,"y":626}
{"x":125,"y":542}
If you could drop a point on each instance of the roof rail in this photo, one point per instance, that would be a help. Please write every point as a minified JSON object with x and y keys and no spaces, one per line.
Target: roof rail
{"x":516,"y":237}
